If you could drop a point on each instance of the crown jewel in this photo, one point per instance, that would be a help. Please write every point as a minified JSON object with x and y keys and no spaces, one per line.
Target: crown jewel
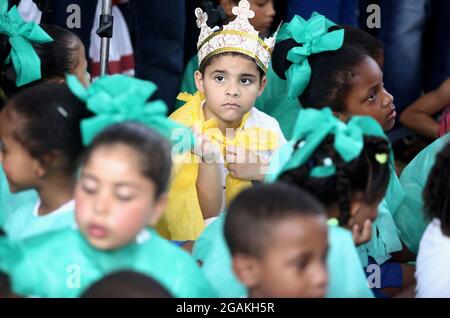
{"x":237,"y":36}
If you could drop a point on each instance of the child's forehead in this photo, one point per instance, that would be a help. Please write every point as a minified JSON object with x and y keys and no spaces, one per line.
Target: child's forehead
{"x":233,"y":64}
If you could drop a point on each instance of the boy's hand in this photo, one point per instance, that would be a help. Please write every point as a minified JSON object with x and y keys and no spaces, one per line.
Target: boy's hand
{"x":362,"y":235}
{"x":206,"y":149}
{"x":245,"y":164}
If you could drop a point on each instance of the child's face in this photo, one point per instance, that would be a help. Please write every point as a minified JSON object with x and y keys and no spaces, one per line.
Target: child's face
{"x":264,"y":14}
{"x":369,"y":97}
{"x":80,"y":70}
{"x":361,"y":211}
{"x":293,"y":263}
{"x":19,"y":166}
{"x":113,"y":200}
{"x":231,"y":85}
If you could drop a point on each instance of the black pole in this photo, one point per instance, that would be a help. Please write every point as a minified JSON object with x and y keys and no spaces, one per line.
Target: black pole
{"x":105,"y":31}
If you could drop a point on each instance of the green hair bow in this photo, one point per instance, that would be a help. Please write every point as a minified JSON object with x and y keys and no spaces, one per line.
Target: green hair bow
{"x":311,"y":128}
{"x":315,"y":38}
{"x":21,"y":34}
{"x":118,"y":98}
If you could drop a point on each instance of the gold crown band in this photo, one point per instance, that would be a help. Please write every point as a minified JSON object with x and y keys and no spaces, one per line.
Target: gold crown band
{"x":237,"y":50}
{"x":236,"y":32}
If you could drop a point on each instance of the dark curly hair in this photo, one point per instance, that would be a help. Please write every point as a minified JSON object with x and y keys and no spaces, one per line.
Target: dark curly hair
{"x":364,"y":174}
{"x":436,"y":193}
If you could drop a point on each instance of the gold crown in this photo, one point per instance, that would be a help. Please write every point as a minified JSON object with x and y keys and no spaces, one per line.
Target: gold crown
{"x":237,"y":36}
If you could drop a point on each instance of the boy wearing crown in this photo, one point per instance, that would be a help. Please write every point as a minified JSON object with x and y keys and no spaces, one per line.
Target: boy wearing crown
{"x":234,"y":139}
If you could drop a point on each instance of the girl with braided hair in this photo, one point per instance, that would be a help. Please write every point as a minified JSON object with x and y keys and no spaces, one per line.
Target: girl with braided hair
{"x":322,"y":69}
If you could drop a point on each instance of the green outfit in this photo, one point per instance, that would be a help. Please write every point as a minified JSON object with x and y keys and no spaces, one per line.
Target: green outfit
{"x":25,"y":222}
{"x":211,"y":249}
{"x":346,"y":276}
{"x":63,"y":264}
{"x":9,"y":202}
{"x":410,"y":217}
{"x":385,"y":234}
{"x":273,"y":101}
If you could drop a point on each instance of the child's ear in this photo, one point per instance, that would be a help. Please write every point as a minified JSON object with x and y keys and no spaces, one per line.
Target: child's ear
{"x":342,"y":116}
{"x":246,"y":269}
{"x":199,"y":81}
{"x":354,"y":208}
{"x":158,"y":209}
{"x":42,"y":165}
{"x":262,"y":85}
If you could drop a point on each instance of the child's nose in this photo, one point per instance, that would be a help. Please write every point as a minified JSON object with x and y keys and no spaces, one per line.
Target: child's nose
{"x":232,"y":90}
{"x":100,"y":204}
{"x":388,"y":98}
{"x":320,"y":276}
{"x":271,"y":12}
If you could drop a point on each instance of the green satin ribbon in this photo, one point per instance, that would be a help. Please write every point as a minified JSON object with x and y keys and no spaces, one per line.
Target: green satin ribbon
{"x":315,"y":38}
{"x":311,"y":128}
{"x":26,"y":62}
{"x":118,"y":98}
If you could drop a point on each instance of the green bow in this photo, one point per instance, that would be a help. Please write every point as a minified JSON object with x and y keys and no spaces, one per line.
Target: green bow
{"x":21,"y":34}
{"x":311,"y":128}
{"x":314,"y":37}
{"x":118,"y":98}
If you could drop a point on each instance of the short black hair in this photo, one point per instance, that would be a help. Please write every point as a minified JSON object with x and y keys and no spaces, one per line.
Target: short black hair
{"x":364,"y":174}
{"x":253,"y":213}
{"x":332,"y":72}
{"x":58,"y":58}
{"x":153,"y":150}
{"x":208,"y":62}
{"x":47,"y":119}
{"x":436,"y":193}
{"x":126,"y":284}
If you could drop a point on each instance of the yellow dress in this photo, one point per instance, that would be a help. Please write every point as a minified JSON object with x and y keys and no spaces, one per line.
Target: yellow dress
{"x":183,"y":219}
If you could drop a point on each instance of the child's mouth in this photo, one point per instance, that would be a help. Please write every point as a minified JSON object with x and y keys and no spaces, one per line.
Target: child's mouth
{"x":97,"y":231}
{"x":231,"y":106}
{"x":392,"y":114}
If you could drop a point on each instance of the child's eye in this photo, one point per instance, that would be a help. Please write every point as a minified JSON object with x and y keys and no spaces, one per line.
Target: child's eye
{"x":124,"y":195}
{"x":246,"y":81}
{"x":89,"y":187}
{"x":372,"y":97}
{"x":302,"y":263}
{"x":220,"y":78}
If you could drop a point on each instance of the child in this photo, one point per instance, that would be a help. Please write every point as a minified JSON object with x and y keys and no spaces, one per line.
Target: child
{"x":275,"y":101}
{"x":126,"y":284}
{"x":232,"y":69}
{"x":347,"y":278}
{"x":264,"y":14}
{"x":277,"y":237}
{"x":418,"y":116}
{"x":346,"y":167}
{"x":410,"y":216}
{"x":41,"y":141}
{"x":50,"y":53}
{"x":433,"y":279}
{"x":350,"y":82}
{"x":120,"y":191}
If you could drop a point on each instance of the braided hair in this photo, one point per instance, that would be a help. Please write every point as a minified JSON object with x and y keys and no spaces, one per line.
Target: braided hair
{"x":363,"y":174}
{"x":436,"y":193}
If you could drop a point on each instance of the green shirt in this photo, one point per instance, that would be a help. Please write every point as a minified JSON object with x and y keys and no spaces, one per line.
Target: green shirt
{"x":24,"y":222}
{"x":410,"y":216}
{"x":9,"y":202}
{"x":64,"y":264}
